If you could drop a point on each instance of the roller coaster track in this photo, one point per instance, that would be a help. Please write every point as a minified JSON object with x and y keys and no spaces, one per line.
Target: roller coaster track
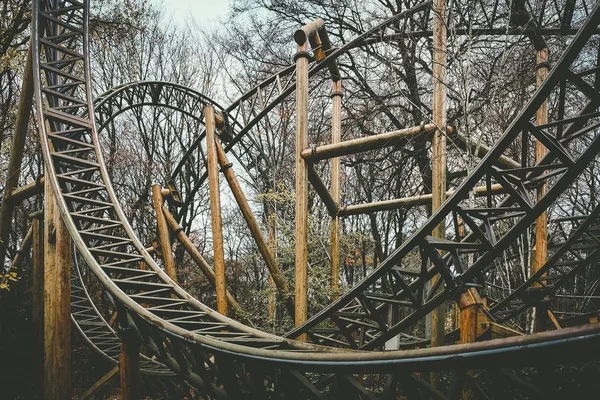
{"x":97,"y":332}
{"x":227,"y":359}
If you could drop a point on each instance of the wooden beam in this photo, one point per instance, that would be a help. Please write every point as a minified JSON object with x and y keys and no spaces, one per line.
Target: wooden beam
{"x":438,"y":158}
{"x":540,"y":253}
{"x":129,"y":367}
{"x":37,"y":306}
{"x":272,"y":228}
{"x":553,"y":319}
{"x":18,"y":258}
{"x":301,"y":249}
{"x":16,"y":154}
{"x":480,"y":150}
{"x":501,"y":331}
{"x":215,"y":210}
{"x":255,"y":230}
{"x":57,"y":302}
{"x":99,"y":383}
{"x":421,"y":200}
{"x":197,"y":257}
{"x":366,"y":143}
{"x":163,"y":233}
{"x":373,"y":142}
{"x":336,"y":137}
{"x":322,"y":191}
{"x":303,"y":34}
{"x":17,"y":195}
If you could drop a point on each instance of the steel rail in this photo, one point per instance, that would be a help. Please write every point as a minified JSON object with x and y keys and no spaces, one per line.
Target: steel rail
{"x":211,"y":351}
{"x":96,"y":331}
{"x":418,"y":240}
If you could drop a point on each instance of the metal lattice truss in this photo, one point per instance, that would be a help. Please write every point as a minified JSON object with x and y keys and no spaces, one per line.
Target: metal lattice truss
{"x":227,"y":359}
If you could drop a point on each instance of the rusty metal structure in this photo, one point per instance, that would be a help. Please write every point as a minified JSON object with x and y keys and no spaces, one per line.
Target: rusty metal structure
{"x":223,"y":358}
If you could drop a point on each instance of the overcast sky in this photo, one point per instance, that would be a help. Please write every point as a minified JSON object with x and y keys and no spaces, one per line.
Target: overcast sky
{"x":203,"y":11}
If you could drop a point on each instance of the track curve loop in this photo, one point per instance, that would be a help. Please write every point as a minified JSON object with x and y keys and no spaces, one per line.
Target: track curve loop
{"x":222,"y":356}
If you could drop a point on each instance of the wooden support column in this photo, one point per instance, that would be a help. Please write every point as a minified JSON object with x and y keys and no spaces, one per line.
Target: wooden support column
{"x":438,"y":189}
{"x":16,"y":154}
{"x":473,"y":324}
{"x":37,"y":317}
{"x":15,"y":265}
{"x":301,"y":263}
{"x":272,"y":228}
{"x":215,"y":210}
{"x":336,"y":137}
{"x":129,"y":367}
{"x":57,"y":302}
{"x":540,"y":255}
{"x":244,"y":206}
{"x":197,"y":257}
{"x":163,"y":233}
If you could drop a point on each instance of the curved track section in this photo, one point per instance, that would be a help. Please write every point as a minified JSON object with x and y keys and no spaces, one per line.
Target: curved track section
{"x":573,"y":145}
{"x":97,"y":332}
{"x":223,"y":357}
{"x":188,"y":174}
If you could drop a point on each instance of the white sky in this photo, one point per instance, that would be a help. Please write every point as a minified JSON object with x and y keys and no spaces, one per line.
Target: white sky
{"x":204,"y":12}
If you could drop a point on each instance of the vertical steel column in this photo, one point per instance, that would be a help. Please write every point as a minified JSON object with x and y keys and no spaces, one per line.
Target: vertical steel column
{"x":336,"y":136}
{"x":215,"y":210}
{"x":301,"y":264}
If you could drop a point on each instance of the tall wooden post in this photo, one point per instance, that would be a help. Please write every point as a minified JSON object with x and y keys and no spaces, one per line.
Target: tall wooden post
{"x":129,"y":367}
{"x":336,"y":137}
{"x":301,"y":292}
{"x":438,"y":183}
{"x":272,"y":228}
{"x":541,"y":226}
{"x":37,"y":317}
{"x":57,"y":301}
{"x":215,"y":210}
{"x":263,"y":248}
{"x":163,"y":233}
{"x":188,"y":245}
{"x":16,"y":154}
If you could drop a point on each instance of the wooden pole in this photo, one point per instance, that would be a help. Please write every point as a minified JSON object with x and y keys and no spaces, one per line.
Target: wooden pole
{"x":322,"y":190}
{"x":424,"y":199}
{"x":263,"y":248}
{"x":17,"y":195}
{"x":272,"y":228}
{"x":215,"y":210}
{"x":468,"y":334}
{"x":301,"y":251}
{"x":381,"y":140}
{"x":57,"y":302}
{"x":37,"y":317}
{"x":16,"y":154}
{"x":438,"y":189}
{"x":129,"y":367}
{"x":336,"y":137}
{"x":18,"y":258}
{"x":362,"y":144}
{"x":541,"y":226}
{"x":99,"y":383}
{"x":197,"y":257}
{"x":163,"y":233}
